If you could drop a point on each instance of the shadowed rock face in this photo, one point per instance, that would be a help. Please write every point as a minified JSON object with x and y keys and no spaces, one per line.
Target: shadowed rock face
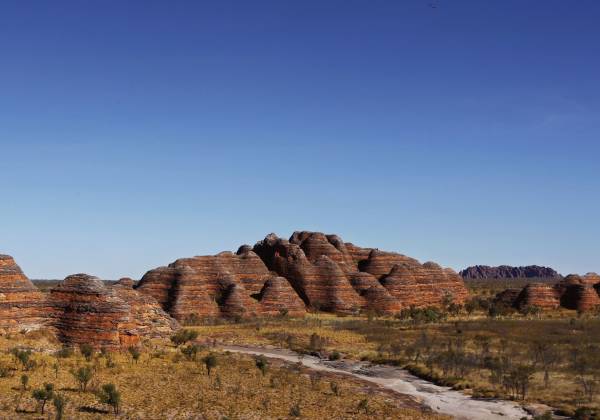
{"x":508,"y":272}
{"x":345,"y":277}
{"x":276,"y":276}
{"x":575,"y":292}
{"x":146,"y":318}
{"x":225,"y":284}
{"x":22,"y":305}
{"x":278,"y":297}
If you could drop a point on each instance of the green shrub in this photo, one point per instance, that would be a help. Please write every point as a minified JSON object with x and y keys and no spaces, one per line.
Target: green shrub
{"x":109,"y":395}
{"x":183,"y":336}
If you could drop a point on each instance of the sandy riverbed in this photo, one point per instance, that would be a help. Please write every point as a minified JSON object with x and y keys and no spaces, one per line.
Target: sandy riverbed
{"x":440,"y":399}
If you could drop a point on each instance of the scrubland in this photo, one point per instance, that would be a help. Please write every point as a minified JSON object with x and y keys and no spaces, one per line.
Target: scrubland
{"x":549,"y":358}
{"x":165,"y":380}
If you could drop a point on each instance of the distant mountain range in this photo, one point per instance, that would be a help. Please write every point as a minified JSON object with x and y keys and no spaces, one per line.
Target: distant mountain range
{"x":509,"y":272}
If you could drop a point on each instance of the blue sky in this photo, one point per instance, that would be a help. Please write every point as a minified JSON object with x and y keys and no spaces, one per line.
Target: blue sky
{"x":134,"y":133}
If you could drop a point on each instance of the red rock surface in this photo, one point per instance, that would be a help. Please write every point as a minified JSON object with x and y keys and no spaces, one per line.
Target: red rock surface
{"x":540,"y":295}
{"x":278,"y":297}
{"x":147,"y":319}
{"x":319,"y":270}
{"x":85,"y":310}
{"x":22,"y":305}
{"x":225,"y":284}
{"x":575,"y":292}
{"x":344,"y":289}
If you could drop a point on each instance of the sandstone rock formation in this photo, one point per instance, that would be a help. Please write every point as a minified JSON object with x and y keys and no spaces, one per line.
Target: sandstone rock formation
{"x":22,"y":305}
{"x":85,"y":310}
{"x":274,"y":277}
{"x":310,"y":269}
{"x":225,"y":284}
{"x":508,"y":297}
{"x":575,"y":292}
{"x":508,"y":272}
{"x":540,"y":295}
{"x":334,"y":276}
{"x":277,"y":297}
{"x":146,"y":318}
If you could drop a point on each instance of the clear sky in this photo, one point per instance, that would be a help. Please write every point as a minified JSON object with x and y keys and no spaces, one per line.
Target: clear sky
{"x":133,"y":133}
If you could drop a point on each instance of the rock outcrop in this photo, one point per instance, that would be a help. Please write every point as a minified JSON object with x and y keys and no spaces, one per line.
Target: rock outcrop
{"x":575,"y":292}
{"x":146,"y":317}
{"x":508,"y":272}
{"x":310,"y":269}
{"x":274,"y":277}
{"x":278,"y":298}
{"x":331,"y":275}
{"x":85,"y":310}
{"x":22,"y":305}
{"x":540,"y":295}
{"x":225,"y":284}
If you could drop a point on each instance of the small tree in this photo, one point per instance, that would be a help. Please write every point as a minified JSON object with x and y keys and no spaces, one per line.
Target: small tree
{"x":335,"y":388}
{"x":210,"y":361}
{"x":23,"y":357}
{"x":183,"y":336}
{"x":190,"y":351}
{"x":24,"y":382}
{"x":109,"y":394}
{"x":547,"y":355}
{"x":316,"y":342}
{"x":64,"y":353}
{"x":43,"y":394}
{"x":56,"y":368}
{"x":295,"y":410}
{"x":86,"y":351}
{"x":60,"y":402}
{"x":262,"y":364}
{"x":135,"y":353}
{"x":83,"y":376}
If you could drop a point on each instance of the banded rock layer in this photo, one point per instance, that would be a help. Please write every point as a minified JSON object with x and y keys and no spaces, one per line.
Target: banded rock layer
{"x":81,"y":309}
{"x":310,"y":269}
{"x":85,"y":310}
{"x":22,"y":305}
{"x":575,"y":292}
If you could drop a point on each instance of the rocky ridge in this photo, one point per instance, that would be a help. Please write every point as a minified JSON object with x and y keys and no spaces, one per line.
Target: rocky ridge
{"x":81,"y":309}
{"x":508,"y":272}
{"x":581,"y":293}
{"x":310,"y":270}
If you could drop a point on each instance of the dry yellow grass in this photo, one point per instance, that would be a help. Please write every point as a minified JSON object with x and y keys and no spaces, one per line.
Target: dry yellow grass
{"x":357,"y":338}
{"x":163,"y":384}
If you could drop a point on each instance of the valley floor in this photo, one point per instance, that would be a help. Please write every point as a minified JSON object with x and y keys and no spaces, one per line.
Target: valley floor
{"x":166,"y":383}
{"x":535,"y":361}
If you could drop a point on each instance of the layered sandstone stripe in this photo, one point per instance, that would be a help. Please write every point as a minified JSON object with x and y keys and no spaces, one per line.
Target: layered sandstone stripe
{"x":574,"y":292}
{"x":321,"y":271}
{"x":320,"y":285}
{"x":146,"y":318}
{"x":540,"y":295}
{"x":85,"y":310}
{"x":277,"y":298}
{"x":22,"y":305}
